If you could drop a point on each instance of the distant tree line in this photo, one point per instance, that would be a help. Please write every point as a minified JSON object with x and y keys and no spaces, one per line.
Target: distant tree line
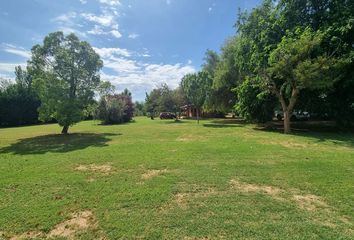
{"x":18,"y":100}
{"x":164,"y":99}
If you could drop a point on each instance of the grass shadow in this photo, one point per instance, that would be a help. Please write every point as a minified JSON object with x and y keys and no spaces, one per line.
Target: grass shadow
{"x":100,"y":123}
{"x":174,"y":122}
{"x":218,"y":125}
{"x":226,"y":123}
{"x":324,"y":131}
{"x":58,"y":143}
{"x":230,"y":121}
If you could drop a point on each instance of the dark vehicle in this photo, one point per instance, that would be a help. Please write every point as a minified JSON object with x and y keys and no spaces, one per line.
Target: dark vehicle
{"x":167,"y":115}
{"x":295,"y":116}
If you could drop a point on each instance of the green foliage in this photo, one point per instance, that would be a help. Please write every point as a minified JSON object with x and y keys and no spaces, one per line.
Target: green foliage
{"x":196,"y":87}
{"x":253,"y":103}
{"x":66,"y":73}
{"x":164,"y":99}
{"x":115,"y":109}
{"x":105,"y":88}
{"x":139,"y":108}
{"x":298,"y":62}
{"x":18,"y":101}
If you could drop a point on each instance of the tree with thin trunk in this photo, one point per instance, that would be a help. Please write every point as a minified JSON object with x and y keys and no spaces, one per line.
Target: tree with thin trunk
{"x":298,"y":63}
{"x":66,"y":73}
{"x":196,"y":87}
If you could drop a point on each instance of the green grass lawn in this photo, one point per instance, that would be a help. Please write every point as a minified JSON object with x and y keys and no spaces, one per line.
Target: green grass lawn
{"x":166,"y":180}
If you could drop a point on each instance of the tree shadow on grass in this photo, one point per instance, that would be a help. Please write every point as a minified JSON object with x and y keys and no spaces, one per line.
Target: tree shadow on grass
{"x":230,"y":121}
{"x":58,"y":143}
{"x":226,"y":123}
{"x":221,"y":125}
{"x":100,"y":123}
{"x":322,"y":131}
{"x":174,"y":122}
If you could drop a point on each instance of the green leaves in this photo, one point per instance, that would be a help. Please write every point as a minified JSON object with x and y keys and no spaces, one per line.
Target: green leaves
{"x":66,"y":73}
{"x":196,"y":86}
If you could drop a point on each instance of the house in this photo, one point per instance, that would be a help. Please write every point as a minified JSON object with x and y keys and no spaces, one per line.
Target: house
{"x":189,"y":111}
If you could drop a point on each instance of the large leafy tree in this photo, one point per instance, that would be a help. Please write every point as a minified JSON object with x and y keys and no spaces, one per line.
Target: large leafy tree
{"x":298,"y":45}
{"x":66,"y":73}
{"x":298,"y":63}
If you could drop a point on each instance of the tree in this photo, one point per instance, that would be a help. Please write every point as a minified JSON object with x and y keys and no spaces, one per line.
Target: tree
{"x":295,"y":65}
{"x":18,"y":101}
{"x":152,"y":102}
{"x":164,"y":99}
{"x":66,"y":73}
{"x":105,"y":88}
{"x":226,"y":78}
{"x":139,"y":108}
{"x":115,"y":109}
{"x":253,"y":102}
{"x":196,"y":88}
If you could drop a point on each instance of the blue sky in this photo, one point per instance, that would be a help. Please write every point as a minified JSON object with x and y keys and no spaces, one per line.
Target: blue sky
{"x":143,"y":43}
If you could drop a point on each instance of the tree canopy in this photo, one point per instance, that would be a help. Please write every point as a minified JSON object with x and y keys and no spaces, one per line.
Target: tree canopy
{"x":66,"y":73}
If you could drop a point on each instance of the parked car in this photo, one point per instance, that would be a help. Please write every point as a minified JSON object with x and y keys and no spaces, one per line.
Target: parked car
{"x":297,"y":115}
{"x":167,"y":115}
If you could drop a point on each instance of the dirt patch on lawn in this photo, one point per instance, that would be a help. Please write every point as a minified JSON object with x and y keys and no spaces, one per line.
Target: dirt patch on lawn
{"x":78,"y":222}
{"x":153,"y":173}
{"x":104,"y":168}
{"x":310,"y":202}
{"x":183,"y":199}
{"x":190,"y":138}
{"x":318,"y":210}
{"x":27,"y":235}
{"x":285,"y":143}
{"x":254,"y":188}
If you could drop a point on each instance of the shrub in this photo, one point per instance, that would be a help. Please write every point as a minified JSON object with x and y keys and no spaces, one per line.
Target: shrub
{"x":115,"y":109}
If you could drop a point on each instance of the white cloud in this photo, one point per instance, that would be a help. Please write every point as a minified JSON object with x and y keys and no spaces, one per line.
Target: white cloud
{"x":210,"y":9}
{"x":189,"y":61}
{"x":10,"y":67}
{"x":97,"y":30}
{"x":104,"y":20}
{"x":122,"y":65}
{"x":116,"y":33}
{"x":110,"y":2}
{"x":83,"y":1}
{"x":68,"y":30}
{"x":141,"y":78}
{"x":65,"y":18}
{"x":168,"y":2}
{"x":19,"y":51}
{"x":133,"y":36}
{"x":138,"y":76}
{"x":112,"y":52}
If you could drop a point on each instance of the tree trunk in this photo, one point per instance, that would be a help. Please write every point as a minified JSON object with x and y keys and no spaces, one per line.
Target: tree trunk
{"x":287,"y":128}
{"x":65,"y":130}
{"x":197,"y":115}
{"x":287,"y":108}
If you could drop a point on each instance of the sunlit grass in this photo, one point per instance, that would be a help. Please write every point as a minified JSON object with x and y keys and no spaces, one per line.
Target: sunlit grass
{"x":166,"y":180}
